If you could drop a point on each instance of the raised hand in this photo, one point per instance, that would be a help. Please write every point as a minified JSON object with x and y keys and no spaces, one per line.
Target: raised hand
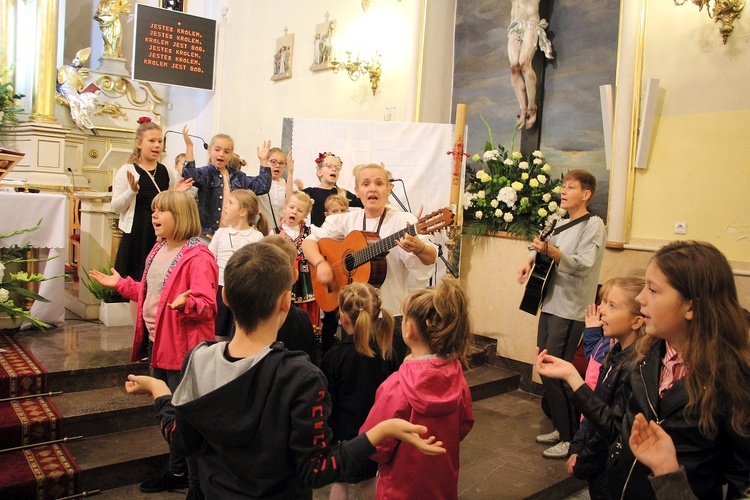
{"x":263,"y":152}
{"x":181,"y":300}
{"x":183,"y":185}
{"x":592,"y":317}
{"x":652,"y":446}
{"x":134,"y":185}
{"x":108,"y":280}
{"x":290,"y":163}
{"x":189,"y":155}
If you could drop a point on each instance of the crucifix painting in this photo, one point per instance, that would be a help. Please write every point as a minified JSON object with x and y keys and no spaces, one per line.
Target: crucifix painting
{"x":525,"y":33}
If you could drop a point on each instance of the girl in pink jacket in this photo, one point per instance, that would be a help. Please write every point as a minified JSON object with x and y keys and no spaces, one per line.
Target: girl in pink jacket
{"x":429,"y":389}
{"x":176,"y":302}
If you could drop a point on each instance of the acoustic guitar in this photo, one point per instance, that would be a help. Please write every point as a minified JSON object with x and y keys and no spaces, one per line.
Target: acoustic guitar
{"x":361,"y":255}
{"x":536,"y":286}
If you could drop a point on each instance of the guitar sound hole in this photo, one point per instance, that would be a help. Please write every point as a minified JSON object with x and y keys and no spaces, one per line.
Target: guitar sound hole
{"x":349,"y":263}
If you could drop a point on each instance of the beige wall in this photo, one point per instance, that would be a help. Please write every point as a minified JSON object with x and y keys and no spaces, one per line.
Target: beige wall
{"x":699,"y":166}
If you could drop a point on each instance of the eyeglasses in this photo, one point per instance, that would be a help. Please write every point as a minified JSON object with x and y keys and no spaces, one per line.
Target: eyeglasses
{"x":337,"y":168}
{"x":277,"y":163}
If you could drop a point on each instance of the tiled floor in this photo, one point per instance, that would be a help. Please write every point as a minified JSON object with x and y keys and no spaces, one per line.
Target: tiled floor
{"x":499,"y":458}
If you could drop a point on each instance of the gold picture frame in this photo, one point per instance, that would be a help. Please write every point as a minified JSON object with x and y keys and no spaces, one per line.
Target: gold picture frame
{"x":282,"y":57}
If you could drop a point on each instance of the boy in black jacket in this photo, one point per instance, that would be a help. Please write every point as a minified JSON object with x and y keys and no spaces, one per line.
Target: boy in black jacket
{"x":253,"y":412}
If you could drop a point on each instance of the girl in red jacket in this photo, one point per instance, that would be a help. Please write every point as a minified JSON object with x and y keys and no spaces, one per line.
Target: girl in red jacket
{"x":429,"y":389}
{"x":176,"y":302}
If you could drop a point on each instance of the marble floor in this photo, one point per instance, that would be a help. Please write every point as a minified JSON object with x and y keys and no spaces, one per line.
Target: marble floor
{"x":499,"y":457}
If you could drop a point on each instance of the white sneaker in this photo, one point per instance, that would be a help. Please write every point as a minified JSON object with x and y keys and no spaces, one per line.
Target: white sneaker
{"x":549,"y":438}
{"x":560,"y":450}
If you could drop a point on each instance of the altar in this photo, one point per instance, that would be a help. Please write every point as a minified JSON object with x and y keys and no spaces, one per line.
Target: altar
{"x":23,"y":210}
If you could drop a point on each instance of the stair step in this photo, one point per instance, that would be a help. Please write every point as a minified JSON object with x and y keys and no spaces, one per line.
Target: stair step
{"x":486,"y":381}
{"x":104,"y":411}
{"x":98,"y":377}
{"x":114,"y":460}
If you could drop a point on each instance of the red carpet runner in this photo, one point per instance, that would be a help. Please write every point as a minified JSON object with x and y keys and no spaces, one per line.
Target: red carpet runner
{"x":20,"y":373}
{"x":28,"y":421}
{"x":41,"y":472}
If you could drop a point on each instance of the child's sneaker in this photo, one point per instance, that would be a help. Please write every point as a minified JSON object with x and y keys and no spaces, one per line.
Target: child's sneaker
{"x":549,"y":438}
{"x":560,"y":450}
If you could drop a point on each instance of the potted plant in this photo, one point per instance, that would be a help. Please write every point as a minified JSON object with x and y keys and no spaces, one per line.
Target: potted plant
{"x":114,"y":310}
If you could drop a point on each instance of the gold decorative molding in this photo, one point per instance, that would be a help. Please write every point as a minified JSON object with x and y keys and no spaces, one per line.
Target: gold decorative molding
{"x":115,"y":87}
{"x":722,"y":11}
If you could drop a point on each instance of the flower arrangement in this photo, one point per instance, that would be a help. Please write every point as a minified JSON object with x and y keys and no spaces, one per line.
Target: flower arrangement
{"x":510,"y":193}
{"x":8,"y":96}
{"x":18,"y":283}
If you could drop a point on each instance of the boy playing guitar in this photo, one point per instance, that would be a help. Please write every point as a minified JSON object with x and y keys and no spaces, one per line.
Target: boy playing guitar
{"x":577,"y":252}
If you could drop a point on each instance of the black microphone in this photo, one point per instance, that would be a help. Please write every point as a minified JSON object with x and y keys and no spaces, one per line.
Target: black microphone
{"x":205,"y":144}
{"x":72,"y":179}
{"x":395,"y":180}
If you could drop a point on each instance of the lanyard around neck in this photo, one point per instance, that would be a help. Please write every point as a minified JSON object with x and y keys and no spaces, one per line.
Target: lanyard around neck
{"x":380,"y":222}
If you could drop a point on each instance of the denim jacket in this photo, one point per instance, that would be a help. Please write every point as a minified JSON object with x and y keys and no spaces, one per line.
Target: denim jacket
{"x":210,"y":186}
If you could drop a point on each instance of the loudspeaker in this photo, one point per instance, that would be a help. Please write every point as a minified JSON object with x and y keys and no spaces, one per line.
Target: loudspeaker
{"x":647,"y":123}
{"x":605,"y":96}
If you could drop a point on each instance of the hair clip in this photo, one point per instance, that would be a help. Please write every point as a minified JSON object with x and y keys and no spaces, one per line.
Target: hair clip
{"x":143,"y":119}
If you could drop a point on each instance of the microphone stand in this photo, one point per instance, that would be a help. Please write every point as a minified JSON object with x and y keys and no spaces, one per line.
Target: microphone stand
{"x":448,"y":266}
{"x":205,"y":145}
{"x":399,"y":201}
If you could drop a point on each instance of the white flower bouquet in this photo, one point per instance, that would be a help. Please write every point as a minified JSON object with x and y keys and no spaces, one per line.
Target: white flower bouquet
{"x":509,"y":193}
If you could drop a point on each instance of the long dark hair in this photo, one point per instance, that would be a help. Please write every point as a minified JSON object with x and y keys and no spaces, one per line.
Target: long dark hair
{"x":716,"y":349}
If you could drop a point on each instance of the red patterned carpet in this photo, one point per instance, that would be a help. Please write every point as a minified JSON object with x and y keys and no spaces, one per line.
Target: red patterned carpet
{"x":20,"y":373}
{"x":43,"y":471}
{"x":47,"y":471}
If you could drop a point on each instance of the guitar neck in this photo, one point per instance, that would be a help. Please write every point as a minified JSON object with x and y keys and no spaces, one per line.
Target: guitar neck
{"x":381,"y":246}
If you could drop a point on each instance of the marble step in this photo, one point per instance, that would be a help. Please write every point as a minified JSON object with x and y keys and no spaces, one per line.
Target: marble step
{"x":114,"y":460}
{"x":104,"y":411}
{"x":486,"y":381}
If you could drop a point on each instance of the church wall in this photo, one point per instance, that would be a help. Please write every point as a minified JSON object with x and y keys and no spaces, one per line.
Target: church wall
{"x":699,"y":167}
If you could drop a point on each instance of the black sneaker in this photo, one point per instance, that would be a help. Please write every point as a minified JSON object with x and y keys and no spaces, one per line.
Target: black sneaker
{"x":195,"y":493}
{"x":165,"y":482}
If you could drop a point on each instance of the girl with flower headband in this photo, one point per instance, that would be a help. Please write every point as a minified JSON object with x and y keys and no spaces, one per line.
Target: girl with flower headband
{"x":327,"y":168}
{"x":135,"y":186}
{"x":428,"y":389}
{"x":246,"y":225}
{"x":355,"y":368}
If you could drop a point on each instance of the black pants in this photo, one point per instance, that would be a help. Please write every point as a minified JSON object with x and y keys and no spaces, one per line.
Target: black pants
{"x":560,"y":337}
{"x":178,"y":464}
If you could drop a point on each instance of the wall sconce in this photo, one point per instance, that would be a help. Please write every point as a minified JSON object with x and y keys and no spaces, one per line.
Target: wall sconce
{"x":357,"y":68}
{"x":723,"y":11}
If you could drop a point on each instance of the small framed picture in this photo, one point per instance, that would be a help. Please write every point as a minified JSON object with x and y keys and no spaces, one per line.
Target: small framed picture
{"x":178,"y":5}
{"x":323,"y":45}
{"x":282,"y":58}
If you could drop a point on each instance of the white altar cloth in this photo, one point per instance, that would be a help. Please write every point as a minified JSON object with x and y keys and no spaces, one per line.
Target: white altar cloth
{"x":23,"y":210}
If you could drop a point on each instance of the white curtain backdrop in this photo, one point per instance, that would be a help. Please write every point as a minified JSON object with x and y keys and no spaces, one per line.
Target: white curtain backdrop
{"x":413,"y":152}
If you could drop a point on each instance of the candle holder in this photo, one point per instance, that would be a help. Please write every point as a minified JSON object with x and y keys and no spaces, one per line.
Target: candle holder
{"x":453,"y":232}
